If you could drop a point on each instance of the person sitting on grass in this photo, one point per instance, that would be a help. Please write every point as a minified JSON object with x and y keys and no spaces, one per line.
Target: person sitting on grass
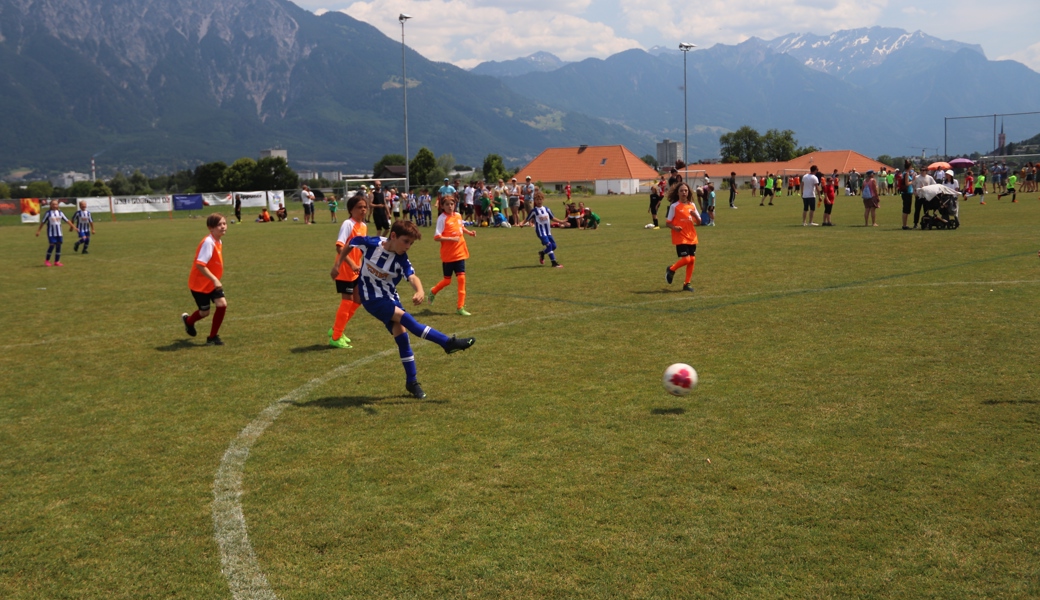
{"x":281,"y":213}
{"x":264,"y":216}
{"x":591,"y":219}
{"x":385,"y":265}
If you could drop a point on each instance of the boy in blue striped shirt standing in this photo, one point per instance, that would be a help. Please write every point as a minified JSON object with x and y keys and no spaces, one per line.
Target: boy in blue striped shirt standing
{"x":385,"y":265}
{"x":53,"y":220}
{"x":85,"y":224}
{"x":542,"y":218}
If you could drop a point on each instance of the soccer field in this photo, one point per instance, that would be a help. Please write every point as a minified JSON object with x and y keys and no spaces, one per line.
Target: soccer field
{"x":867,"y":423}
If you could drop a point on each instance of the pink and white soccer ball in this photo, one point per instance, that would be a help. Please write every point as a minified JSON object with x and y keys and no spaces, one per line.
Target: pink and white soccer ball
{"x":680,"y":379}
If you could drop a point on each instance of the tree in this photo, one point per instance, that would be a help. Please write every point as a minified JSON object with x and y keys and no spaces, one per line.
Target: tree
{"x":120,"y":185}
{"x":650,"y":160}
{"x":745,"y":144}
{"x":778,"y":146}
{"x":273,"y":173}
{"x":494,"y":169}
{"x":40,"y":189}
{"x":421,"y":167}
{"x":207,"y":177}
{"x":388,"y":159}
{"x":5,"y":190}
{"x":803,"y":150}
{"x":240,"y":176}
{"x":888,"y":160}
{"x":80,"y":189}
{"x":139,"y":183}
{"x":100,"y":190}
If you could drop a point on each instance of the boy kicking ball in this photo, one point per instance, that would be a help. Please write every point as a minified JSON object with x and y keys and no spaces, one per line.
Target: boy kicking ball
{"x":385,"y":265}
{"x":204,"y":280}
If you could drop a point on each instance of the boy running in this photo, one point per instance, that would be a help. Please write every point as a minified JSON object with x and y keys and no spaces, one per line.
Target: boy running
{"x":449,"y":232}
{"x":348,"y":264}
{"x":542,"y":218}
{"x":85,"y":224}
{"x":1011,"y":182}
{"x":682,"y":219}
{"x":53,"y":220}
{"x":204,"y":280}
{"x":385,"y":265}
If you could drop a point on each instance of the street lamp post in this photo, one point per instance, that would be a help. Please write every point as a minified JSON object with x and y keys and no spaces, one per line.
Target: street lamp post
{"x":404,"y":76}
{"x":685,"y":47}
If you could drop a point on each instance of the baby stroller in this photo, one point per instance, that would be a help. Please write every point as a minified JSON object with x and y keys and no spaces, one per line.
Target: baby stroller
{"x":941,"y":209}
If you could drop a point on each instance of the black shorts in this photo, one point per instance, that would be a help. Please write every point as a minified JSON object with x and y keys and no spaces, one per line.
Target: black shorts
{"x":572,"y":221}
{"x":345,"y":287}
{"x":655,"y":203}
{"x":908,"y":199}
{"x":202,"y":299}
{"x":808,"y":203}
{"x":827,"y":207}
{"x":379,"y":216}
{"x":451,"y":268}
{"x":767,"y":192}
{"x":308,"y":209}
{"x":682,"y":250}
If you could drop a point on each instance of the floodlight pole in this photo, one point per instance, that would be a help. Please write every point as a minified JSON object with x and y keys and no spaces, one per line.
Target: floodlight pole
{"x":685,"y":48}
{"x":404,"y":81}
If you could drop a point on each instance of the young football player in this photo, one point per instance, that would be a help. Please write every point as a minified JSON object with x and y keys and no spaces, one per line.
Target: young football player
{"x":454,"y":252}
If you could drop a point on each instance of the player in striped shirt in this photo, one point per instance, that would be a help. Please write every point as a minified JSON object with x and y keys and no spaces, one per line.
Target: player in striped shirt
{"x":53,"y":220}
{"x":385,"y":265}
{"x":348,"y":265}
{"x":85,"y":224}
{"x":204,"y":280}
{"x":542,"y":218}
{"x":450,"y":233}
{"x":682,"y":219}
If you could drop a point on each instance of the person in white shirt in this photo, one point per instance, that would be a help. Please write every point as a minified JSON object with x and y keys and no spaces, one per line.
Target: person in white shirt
{"x":920,"y":181}
{"x":810,"y":186}
{"x":307,"y":197}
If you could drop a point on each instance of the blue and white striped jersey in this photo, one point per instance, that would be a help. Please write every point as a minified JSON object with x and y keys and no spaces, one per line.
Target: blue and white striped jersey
{"x":53,"y":219}
{"x":82,"y":219}
{"x":382,"y":270}
{"x":543,"y":218}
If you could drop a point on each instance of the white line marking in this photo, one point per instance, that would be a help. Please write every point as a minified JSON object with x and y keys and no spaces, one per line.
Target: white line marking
{"x":237,"y":558}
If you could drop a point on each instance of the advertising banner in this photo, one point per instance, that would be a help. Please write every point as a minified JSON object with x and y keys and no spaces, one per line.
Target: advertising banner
{"x":274,"y":199}
{"x":96,"y":205}
{"x":9,"y":207}
{"x":187,"y":202}
{"x":137,"y":204}
{"x":251,"y":199}
{"x":30,"y":210}
{"x":216,"y":199}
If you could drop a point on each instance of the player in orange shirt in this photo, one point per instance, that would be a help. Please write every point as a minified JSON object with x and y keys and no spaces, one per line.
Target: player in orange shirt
{"x":682,"y":219}
{"x":204,"y":280}
{"x":450,"y":231}
{"x":348,"y":264}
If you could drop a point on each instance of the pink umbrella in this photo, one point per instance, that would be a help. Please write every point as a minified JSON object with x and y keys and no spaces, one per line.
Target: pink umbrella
{"x":961,"y":163}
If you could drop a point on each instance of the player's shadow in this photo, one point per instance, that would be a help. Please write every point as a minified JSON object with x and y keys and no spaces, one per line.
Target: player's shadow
{"x":526,"y":267}
{"x":311,"y":348}
{"x":655,"y":292}
{"x":178,"y":345}
{"x":365,"y":403}
{"x":668,"y":411}
{"x":1012,"y":402}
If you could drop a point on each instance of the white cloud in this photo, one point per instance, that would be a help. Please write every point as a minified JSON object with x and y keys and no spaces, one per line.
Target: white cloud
{"x":1030,"y":57}
{"x":479,"y":30}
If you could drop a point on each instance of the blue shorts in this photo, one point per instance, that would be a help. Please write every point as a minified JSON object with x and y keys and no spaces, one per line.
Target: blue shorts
{"x":382,"y":309}
{"x":458,"y":267}
{"x":55,"y":239}
{"x":547,"y":240}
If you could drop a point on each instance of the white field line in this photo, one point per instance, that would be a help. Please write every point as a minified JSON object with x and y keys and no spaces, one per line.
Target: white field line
{"x":238,"y":560}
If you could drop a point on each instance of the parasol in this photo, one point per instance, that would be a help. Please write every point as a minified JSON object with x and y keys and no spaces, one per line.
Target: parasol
{"x":935,"y":166}
{"x":961,"y":163}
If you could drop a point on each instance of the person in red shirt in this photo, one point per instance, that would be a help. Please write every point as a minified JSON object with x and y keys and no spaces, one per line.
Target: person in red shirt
{"x":450,"y":231}
{"x":829,"y":191}
{"x":682,"y":220}
{"x":204,"y":280}
{"x":348,"y":264}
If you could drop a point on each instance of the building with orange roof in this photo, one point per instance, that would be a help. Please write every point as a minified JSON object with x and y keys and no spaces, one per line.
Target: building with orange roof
{"x":607,"y":169}
{"x":844,"y":161}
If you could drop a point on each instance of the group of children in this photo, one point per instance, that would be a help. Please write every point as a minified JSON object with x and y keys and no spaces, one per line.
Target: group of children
{"x":81,"y":222}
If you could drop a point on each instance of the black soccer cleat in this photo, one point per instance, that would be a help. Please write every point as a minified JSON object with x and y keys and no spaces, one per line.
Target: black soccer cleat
{"x":188,"y":328}
{"x":687,"y":287}
{"x":669,"y":275}
{"x":541,"y":257}
{"x":75,"y":247}
{"x":415,"y":390}
{"x":214,"y":341}
{"x":455,"y":344}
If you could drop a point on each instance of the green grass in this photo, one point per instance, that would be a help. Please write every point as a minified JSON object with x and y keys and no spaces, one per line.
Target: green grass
{"x":866,"y":424}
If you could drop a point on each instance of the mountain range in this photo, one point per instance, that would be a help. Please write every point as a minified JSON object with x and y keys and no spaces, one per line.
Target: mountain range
{"x":167,"y":84}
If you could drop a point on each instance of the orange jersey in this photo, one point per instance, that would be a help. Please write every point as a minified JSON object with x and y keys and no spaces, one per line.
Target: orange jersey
{"x":451,"y":227}
{"x":685,"y":216}
{"x":209,"y":254}
{"x":348,"y":231}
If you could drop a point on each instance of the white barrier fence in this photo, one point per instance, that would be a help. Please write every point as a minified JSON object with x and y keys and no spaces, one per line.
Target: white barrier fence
{"x":31,"y":208}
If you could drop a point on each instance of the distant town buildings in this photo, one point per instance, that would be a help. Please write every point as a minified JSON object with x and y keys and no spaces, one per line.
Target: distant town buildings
{"x":275,"y":153}
{"x":667,"y":153}
{"x":67,"y":179}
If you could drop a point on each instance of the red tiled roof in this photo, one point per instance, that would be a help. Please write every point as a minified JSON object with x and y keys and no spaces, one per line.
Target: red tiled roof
{"x":586,"y":164}
{"x":842,"y":160}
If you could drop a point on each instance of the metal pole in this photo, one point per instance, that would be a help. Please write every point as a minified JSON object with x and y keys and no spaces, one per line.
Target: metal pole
{"x":946,"y":149}
{"x":685,"y":47}
{"x":404,"y":75}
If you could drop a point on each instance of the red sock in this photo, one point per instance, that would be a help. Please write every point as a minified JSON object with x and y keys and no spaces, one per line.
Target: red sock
{"x":681,"y":262}
{"x":218,"y":318}
{"x":462,"y":289}
{"x":443,"y":283}
{"x":346,"y":310}
{"x":195,"y":316}
{"x":689,"y":268}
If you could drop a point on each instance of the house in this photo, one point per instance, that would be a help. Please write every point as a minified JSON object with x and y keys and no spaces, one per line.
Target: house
{"x":606,"y":169}
{"x":829,"y":161}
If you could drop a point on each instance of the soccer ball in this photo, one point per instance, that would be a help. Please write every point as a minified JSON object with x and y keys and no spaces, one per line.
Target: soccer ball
{"x":679,"y":379}
{"x":648,"y":226}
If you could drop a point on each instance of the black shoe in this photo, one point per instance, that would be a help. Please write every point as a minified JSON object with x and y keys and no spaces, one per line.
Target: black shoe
{"x":214,"y":341}
{"x":906,"y":228}
{"x":669,"y":275}
{"x":687,"y":287}
{"x":415,"y":390}
{"x":84,"y":250}
{"x":75,"y":247}
{"x":188,"y":328}
{"x":455,"y":344}
{"x":541,"y":257}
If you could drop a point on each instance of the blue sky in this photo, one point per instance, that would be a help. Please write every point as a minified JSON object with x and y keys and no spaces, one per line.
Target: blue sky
{"x":468,"y":32}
